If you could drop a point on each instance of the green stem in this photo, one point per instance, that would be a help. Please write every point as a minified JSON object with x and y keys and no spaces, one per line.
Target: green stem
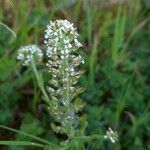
{"x":68,"y":96}
{"x":92,"y":137}
{"x":40,"y":83}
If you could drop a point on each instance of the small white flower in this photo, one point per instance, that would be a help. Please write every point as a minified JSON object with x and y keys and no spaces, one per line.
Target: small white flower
{"x":72,"y":88}
{"x":66,"y":51}
{"x":49,"y":48}
{"x":55,"y":49}
{"x":77,"y":43}
{"x":82,"y":62}
{"x":56,"y":39}
{"x":46,"y":36}
{"x":51,"y":89}
{"x":111,"y":135}
{"x":62,"y":52}
{"x":55,"y":33}
{"x":72,"y":69}
{"x":66,"y":41}
{"x":62,"y":57}
{"x":69,"y":45}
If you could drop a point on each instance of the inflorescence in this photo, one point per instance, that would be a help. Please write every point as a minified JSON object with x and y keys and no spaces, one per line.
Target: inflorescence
{"x":29,"y":53}
{"x":63,"y":63}
{"x":111,"y":135}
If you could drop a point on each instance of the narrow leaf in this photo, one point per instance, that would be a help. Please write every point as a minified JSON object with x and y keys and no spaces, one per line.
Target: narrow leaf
{"x":28,"y":135}
{"x":21,"y":143}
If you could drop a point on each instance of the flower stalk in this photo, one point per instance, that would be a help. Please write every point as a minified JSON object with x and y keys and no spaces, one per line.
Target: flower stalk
{"x":40,"y":82}
{"x":62,"y":44}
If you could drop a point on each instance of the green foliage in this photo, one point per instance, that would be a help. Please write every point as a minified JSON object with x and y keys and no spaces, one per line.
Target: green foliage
{"x":116,"y":47}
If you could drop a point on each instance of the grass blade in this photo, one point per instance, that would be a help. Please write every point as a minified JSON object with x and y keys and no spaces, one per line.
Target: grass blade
{"x":13,"y":33}
{"x":119,"y":33}
{"x":29,"y":135}
{"x":20,"y":143}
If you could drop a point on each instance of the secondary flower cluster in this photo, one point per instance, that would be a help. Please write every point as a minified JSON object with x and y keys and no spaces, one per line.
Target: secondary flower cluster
{"x":28,"y":53}
{"x":62,"y":43}
{"x":111,"y":135}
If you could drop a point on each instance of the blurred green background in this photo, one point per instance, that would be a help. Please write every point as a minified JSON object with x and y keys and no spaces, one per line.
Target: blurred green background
{"x":116,"y":46}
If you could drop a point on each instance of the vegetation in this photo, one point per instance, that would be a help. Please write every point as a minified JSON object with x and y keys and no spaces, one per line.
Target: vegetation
{"x":115,"y":38}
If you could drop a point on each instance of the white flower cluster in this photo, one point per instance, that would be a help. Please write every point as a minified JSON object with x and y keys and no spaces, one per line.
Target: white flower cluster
{"x":111,"y":135}
{"x":28,"y":53}
{"x":61,"y":38}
